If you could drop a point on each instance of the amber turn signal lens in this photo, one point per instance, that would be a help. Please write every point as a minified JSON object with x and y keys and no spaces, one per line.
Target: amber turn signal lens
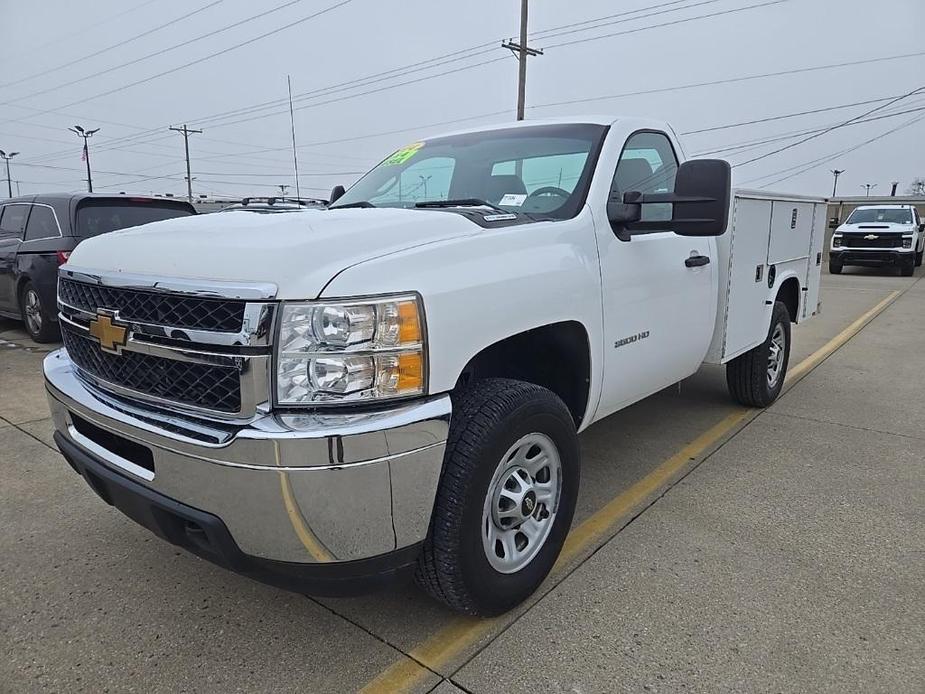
{"x":409,"y":331}
{"x":410,"y":372}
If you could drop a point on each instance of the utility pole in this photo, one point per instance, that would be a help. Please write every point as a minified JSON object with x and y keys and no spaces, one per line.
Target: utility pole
{"x":86,"y":135}
{"x":424,"y":180}
{"x":186,"y":132}
{"x":522,"y":51}
{"x":9,"y":186}
{"x":295,"y":158}
{"x":836,"y":173}
{"x":868,"y":186}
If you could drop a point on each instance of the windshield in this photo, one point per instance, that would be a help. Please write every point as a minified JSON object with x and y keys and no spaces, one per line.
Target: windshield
{"x":542,"y":170}
{"x":95,"y":217}
{"x":883,"y":215}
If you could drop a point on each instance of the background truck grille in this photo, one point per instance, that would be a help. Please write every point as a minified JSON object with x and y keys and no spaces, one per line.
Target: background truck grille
{"x":214,"y":386}
{"x":218,"y":315}
{"x":882,"y":241}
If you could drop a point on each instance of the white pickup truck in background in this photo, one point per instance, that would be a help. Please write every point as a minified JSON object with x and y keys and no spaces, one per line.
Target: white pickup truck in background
{"x":878,"y":235}
{"x":324,"y":400}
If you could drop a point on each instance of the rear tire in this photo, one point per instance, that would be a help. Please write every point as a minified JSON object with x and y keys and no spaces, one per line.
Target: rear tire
{"x":755,"y":378}
{"x":835,"y":267}
{"x":40,"y":325}
{"x":505,"y":500}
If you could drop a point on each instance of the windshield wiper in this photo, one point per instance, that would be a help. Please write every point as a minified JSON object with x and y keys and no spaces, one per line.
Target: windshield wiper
{"x":464,"y":202}
{"x":360,"y":203}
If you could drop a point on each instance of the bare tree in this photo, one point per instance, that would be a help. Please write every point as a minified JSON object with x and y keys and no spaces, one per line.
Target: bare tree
{"x":917,"y":187}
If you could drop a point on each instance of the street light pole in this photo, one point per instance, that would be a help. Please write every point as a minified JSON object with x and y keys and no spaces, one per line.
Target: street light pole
{"x":9,"y":184}
{"x":836,"y":173}
{"x":868,"y":186}
{"x":86,"y":135}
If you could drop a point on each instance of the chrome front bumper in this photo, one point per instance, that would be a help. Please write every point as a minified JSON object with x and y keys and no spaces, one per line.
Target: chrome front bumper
{"x":308,"y":489}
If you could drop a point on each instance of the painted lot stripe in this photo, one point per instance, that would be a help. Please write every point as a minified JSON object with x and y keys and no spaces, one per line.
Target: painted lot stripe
{"x":433,"y":654}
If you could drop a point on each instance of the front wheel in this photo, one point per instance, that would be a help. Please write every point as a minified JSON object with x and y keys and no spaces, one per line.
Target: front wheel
{"x":506,"y":497}
{"x":755,"y":378}
{"x":907,"y":268}
{"x":835,"y":267}
{"x":918,"y":258}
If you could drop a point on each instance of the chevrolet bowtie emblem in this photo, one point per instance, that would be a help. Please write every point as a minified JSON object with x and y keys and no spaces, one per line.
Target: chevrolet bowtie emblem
{"x":111,"y":335}
{"x":871,"y":237}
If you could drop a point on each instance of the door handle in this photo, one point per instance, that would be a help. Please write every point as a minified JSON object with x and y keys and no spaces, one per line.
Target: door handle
{"x":697,"y":261}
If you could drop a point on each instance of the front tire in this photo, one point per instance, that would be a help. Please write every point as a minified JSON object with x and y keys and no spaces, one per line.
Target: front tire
{"x":907,"y":269}
{"x":755,"y":378}
{"x":505,"y":500}
{"x":918,"y":258}
{"x":835,"y":267}
{"x":40,"y":325}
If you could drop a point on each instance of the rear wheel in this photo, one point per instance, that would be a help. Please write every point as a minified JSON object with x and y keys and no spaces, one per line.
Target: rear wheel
{"x":835,"y":267}
{"x":506,"y":497}
{"x":755,"y":378}
{"x":39,"y":323}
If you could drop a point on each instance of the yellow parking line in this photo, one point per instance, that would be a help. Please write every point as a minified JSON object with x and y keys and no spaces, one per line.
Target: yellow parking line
{"x":814,"y":359}
{"x":462,"y":632}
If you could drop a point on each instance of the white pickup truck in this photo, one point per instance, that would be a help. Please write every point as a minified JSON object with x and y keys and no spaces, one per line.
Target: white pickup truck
{"x":325,"y":400}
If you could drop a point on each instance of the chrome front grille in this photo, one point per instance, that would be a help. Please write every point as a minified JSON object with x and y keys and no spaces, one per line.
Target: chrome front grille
{"x":190,"y":346}
{"x":213,"y":386}
{"x":219,"y":315}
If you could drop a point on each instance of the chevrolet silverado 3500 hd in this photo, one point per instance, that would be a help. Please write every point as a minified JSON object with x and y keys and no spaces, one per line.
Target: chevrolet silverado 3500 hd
{"x":396,"y":383}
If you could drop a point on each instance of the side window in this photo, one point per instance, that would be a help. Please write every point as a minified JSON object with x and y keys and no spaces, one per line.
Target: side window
{"x":426,"y":179}
{"x":13,"y":221}
{"x":42,"y":223}
{"x":648,"y":164}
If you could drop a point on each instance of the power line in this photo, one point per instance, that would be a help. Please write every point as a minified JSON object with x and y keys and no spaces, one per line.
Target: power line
{"x":162,"y":51}
{"x":726,"y":126}
{"x":729,"y":80}
{"x":71,"y":63}
{"x":384,"y":76}
{"x":206,"y":57}
{"x":827,"y":130}
{"x":81,"y":32}
{"x":806,"y":166}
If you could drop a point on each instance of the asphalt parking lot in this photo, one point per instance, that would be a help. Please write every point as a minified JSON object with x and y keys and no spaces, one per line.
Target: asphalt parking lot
{"x":714,"y":549}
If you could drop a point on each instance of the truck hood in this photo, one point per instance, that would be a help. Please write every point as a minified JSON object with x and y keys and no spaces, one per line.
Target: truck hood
{"x":876,"y":228}
{"x":299,"y":252}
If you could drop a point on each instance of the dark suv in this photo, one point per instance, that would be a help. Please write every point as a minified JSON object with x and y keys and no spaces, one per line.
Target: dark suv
{"x":38,"y":233}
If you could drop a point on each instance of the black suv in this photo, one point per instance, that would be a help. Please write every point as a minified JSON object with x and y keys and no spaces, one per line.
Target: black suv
{"x":38,"y":233}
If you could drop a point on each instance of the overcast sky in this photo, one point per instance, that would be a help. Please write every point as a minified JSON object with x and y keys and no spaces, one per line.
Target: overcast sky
{"x":51,"y":51}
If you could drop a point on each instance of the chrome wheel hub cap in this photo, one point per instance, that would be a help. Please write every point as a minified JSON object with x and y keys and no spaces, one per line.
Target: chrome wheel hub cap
{"x":33,"y":311}
{"x":521,"y":504}
{"x":776,"y":353}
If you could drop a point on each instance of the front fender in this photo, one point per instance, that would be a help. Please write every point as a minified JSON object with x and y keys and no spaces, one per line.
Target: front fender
{"x":481,"y":289}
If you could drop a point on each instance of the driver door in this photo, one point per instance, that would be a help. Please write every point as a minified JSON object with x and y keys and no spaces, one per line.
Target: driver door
{"x":658,"y":311}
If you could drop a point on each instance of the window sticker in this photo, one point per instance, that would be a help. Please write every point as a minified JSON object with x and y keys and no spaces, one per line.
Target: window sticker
{"x":512,"y":199}
{"x":402,"y":155}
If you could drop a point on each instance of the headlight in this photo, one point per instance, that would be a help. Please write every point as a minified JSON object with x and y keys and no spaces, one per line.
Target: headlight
{"x":836,"y":241}
{"x":907,"y":242}
{"x":346,"y":351}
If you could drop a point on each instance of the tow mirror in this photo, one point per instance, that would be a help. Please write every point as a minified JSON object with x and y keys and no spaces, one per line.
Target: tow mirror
{"x":922,"y":227}
{"x":336,"y":193}
{"x":700,"y":202}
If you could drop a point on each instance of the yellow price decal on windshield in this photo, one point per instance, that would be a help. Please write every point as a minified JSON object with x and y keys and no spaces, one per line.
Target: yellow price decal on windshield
{"x":403,"y":155}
